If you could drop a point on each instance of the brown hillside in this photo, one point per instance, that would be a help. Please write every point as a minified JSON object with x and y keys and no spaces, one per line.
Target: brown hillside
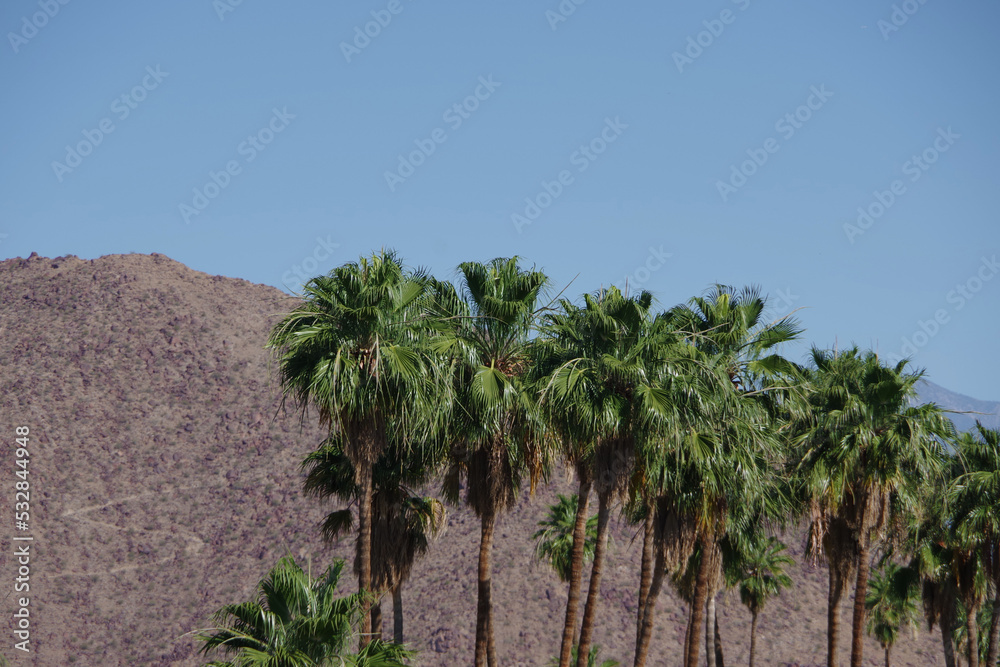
{"x":165,"y":483}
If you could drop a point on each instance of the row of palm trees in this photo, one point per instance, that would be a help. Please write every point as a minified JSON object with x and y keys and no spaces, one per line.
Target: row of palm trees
{"x":688,"y":419}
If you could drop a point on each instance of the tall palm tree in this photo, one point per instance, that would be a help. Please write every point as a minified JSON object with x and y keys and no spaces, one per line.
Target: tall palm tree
{"x":892,"y":605}
{"x":931,"y":542}
{"x":353,"y":349}
{"x":975,"y":497}
{"x":484,"y":332}
{"x":589,"y":366}
{"x":296,"y":621}
{"x":596,"y":379}
{"x":868,"y":451}
{"x":555,"y":539}
{"x":759,"y":572}
{"x":734,"y":463}
{"x":403,"y":522}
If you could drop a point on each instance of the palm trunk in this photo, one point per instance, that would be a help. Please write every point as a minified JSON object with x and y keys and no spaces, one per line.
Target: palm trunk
{"x":646,"y":569}
{"x":709,"y":631}
{"x":687,"y":640}
{"x":594,"y":592}
{"x":377,"y":620}
{"x":947,"y":624}
{"x":483,"y":608}
{"x":397,"y":614}
{"x":491,"y":644}
{"x":365,"y":551}
{"x":994,"y":650}
{"x":833,"y":616}
{"x":575,"y":572}
{"x":700,"y":597}
{"x":860,"y":592}
{"x":649,"y":612}
{"x":888,"y":661}
{"x":972,"y":634}
{"x":753,"y":638}
{"x":720,"y":659}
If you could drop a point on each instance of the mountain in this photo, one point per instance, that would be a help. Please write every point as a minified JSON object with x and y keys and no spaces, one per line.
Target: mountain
{"x":164,"y":482}
{"x":966,"y":410}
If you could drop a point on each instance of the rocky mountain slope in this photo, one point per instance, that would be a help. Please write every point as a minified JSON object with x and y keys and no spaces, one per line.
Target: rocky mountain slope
{"x":165,"y":482}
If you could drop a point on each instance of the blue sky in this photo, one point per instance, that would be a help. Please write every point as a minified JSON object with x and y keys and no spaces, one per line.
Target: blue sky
{"x":677,"y":144}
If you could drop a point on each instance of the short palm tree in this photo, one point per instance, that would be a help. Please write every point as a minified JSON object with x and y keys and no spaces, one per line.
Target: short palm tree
{"x":592,"y":658}
{"x":555,"y":539}
{"x":403,"y":522}
{"x":483,"y":332}
{"x":296,"y":621}
{"x":759,"y":571}
{"x":353,"y":350}
{"x":892,"y":604}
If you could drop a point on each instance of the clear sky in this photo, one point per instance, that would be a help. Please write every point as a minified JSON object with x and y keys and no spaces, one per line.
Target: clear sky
{"x":679,"y":144}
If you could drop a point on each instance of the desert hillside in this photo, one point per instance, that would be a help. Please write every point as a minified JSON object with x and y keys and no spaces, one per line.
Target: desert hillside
{"x":165,"y":482}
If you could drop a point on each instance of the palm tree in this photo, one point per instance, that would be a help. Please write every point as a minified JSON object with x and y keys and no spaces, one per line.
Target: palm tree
{"x":868,"y":453}
{"x":555,"y":539}
{"x":759,"y":572}
{"x":975,"y":498}
{"x":353,"y":349}
{"x":931,"y":543}
{"x":595,"y":380}
{"x":485,"y":335}
{"x":892,"y":605}
{"x":296,"y":621}
{"x":732,"y":463}
{"x":556,"y":344}
{"x":982,"y":620}
{"x":402,"y":521}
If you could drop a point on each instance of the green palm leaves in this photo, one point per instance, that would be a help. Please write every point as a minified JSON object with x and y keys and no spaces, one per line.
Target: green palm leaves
{"x":555,"y":539}
{"x":296,"y":621}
